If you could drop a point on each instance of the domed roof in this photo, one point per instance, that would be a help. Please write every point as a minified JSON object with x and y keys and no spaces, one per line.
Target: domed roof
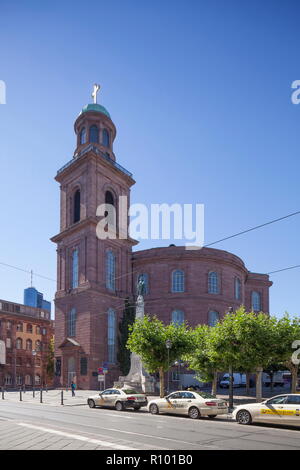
{"x":94,"y":107}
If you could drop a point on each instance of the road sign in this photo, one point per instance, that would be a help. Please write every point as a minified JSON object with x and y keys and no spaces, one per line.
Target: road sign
{"x":105,"y":365}
{"x":104,"y":370}
{"x":101,"y":378}
{"x":100,"y":370}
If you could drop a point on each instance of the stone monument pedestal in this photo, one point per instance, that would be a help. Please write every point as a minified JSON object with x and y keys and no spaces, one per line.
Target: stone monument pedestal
{"x":137,"y":378}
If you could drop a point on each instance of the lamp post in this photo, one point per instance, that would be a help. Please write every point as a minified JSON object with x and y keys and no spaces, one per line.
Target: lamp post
{"x":168,"y":346}
{"x":178,"y":363}
{"x":230,"y":310}
{"x":33,"y":354}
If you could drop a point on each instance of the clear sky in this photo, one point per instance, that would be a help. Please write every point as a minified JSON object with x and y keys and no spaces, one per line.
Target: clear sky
{"x":200,"y":92}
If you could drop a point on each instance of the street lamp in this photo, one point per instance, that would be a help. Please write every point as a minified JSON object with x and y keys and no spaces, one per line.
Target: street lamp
{"x":168,"y":346}
{"x":178,"y":363}
{"x":33,"y":354}
{"x":230,"y":310}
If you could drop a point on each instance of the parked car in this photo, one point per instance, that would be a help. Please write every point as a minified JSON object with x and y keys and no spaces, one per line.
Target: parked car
{"x":281,"y":409}
{"x":118,"y":399}
{"x":278,"y":380}
{"x":193,"y":404}
{"x":239,"y":380}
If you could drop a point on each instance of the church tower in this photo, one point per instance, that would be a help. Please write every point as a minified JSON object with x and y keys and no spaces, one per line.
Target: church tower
{"x":94,"y":274}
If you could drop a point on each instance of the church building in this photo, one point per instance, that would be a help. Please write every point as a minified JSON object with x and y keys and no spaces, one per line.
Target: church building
{"x":95,"y":276}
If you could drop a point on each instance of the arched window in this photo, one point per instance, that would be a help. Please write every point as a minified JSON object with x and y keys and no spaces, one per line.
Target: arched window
{"x":37,"y":379}
{"x":213,"y":317}
{"x":256,"y":301}
{"x":19,"y":343}
{"x":145,"y":278}
{"x":28,"y":345}
{"x":110,"y":200}
{"x":110,"y":270}
{"x":76,"y":206}
{"x":105,"y":138}
{"x":75,"y":269}
{"x":71,"y":327}
{"x":94,"y":135}
{"x":213,"y":283}
{"x":82,"y":139}
{"x":111,"y":335}
{"x":38,"y":345}
{"x":237,"y":288}
{"x":178,"y":281}
{"x":178,"y":317}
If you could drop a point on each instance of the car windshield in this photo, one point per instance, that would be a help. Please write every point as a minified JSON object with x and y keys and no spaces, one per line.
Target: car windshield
{"x":206,"y":395}
{"x":130,"y":391}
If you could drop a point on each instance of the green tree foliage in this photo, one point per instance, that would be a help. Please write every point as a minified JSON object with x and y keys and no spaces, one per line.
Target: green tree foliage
{"x":50,"y":360}
{"x":148,"y":338}
{"x":123,"y":355}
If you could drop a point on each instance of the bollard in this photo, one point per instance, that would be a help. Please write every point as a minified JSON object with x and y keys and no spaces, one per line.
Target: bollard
{"x":2,"y":393}
{"x":33,"y":392}
{"x":62,"y":397}
{"x":20,"y":394}
{"x":41,"y":395}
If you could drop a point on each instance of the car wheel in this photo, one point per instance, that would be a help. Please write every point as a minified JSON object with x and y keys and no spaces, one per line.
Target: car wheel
{"x":212,"y":416}
{"x":91,"y":403}
{"x":154,"y":409}
{"x":244,"y":417}
{"x":119,"y":406}
{"x":194,"y":413}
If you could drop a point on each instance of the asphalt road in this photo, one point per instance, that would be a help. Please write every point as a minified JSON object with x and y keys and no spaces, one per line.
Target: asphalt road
{"x":42,"y":426}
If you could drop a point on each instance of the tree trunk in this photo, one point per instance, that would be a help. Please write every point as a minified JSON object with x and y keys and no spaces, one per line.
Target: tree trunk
{"x":161,"y":383}
{"x":214,"y":384}
{"x":247,"y":383}
{"x":294,"y":371}
{"x":258,"y":385}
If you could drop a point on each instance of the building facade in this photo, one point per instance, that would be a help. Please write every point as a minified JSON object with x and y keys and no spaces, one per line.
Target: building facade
{"x":96,"y":275}
{"x":33,"y":298}
{"x":25,"y":333}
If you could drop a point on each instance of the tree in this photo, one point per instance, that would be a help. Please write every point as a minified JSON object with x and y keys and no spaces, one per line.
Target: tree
{"x":287,"y":331}
{"x":123,"y":355}
{"x":148,"y":338}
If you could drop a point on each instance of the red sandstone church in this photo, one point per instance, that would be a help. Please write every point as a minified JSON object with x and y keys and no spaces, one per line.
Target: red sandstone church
{"x":94,"y":276}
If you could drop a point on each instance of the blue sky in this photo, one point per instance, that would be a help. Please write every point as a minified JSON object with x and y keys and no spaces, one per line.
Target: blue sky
{"x":200,"y":92}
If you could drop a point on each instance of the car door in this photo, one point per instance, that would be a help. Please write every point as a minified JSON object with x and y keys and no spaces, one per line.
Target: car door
{"x":272,"y":410}
{"x":115,"y":395}
{"x":292,"y":410}
{"x":105,"y":398}
{"x":171,"y":403}
{"x":185,"y":402}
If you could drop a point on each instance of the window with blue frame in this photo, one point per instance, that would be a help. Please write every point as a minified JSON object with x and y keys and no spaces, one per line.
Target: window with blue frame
{"x":110,"y":270}
{"x":213,"y":283}
{"x":83,"y":136}
{"x":177,"y":317}
{"x":71,"y":326}
{"x":111,"y":335}
{"x":75,"y":269}
{"x":94,"y":135}
{"x":256,"y":301}
{"x":213,"y":317}
{"x":237,"y":288}
{"x":105,"y":138}
{"x":178,"y":281}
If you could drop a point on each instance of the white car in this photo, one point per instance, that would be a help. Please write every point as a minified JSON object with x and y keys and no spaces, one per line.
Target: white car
{"x":193,"y":404}
{"x":118,"y":399}
{"x":282,"y":409}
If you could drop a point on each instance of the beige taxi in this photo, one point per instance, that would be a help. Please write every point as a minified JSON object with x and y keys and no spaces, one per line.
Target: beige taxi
{"x":281,"y":409}
{"x":192,"y":404}
{"x":118,"y":399}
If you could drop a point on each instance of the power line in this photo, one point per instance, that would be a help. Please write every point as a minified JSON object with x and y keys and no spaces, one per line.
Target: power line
{"x":26,"y":271}
{"x":284,"y":269}
{"x":253,"y":228}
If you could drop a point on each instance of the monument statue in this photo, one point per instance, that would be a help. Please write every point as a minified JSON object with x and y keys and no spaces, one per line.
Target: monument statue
{"x":137,"y":377}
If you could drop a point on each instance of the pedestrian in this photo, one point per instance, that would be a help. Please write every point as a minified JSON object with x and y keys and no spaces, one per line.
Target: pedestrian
{"x":73,"y":386}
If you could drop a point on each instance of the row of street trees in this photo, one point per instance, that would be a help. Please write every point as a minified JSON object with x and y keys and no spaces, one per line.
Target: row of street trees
{"x":242,"y":341}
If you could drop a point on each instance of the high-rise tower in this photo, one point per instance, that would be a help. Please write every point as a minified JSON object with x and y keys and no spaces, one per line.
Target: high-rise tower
{"x":94,"y":275}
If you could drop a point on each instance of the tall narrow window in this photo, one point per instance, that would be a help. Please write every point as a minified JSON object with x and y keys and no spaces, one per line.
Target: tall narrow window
{"x":82,"y":136}
{"x":110,"y":270}
{"x":19,"y":343}
{"x":178,"y":281}
{"x":111,"y":335}
{"x":144,"y":277}
{"x":177,"y":317}
{"x":71,"y":327}
{"x":76,"y":207}
{"x":213,"y":283}
{"x":75,"y":269}
{"x":110,"y":213}
{"x":213,"y":318}
{"x":237,"y":288}
{"x":94,"y":135}
{"x":256,"y":301}
{"x":105,"y":138}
